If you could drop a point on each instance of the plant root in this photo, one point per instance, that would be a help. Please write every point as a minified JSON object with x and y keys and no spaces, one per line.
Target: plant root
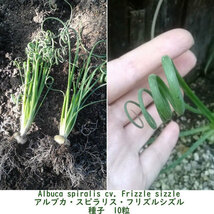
{"x":61,"y":140}
{"x":59,"y":160}
{"x":20,"y":139}
{"x":42,"y":164}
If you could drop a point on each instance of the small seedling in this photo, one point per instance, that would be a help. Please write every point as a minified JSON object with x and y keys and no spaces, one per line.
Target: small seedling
{"x":34,"y":75}
{"x":82,"y":78}
{"x":82,"y":86}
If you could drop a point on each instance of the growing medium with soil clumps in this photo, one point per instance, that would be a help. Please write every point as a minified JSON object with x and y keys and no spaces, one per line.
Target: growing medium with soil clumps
{"x":41,"y":163}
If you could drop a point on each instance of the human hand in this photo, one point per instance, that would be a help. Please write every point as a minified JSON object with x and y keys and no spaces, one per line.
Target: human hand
{"x":127,"y":168}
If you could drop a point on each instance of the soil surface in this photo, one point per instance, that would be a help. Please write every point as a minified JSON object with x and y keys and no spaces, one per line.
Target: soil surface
{"x":41,"y":163}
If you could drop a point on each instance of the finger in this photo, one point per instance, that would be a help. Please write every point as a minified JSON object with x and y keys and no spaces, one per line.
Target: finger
{"x":141,"y":136}
{"x":157,"y":154}
{"x":125,"y":72}
{"x":184,"y":64}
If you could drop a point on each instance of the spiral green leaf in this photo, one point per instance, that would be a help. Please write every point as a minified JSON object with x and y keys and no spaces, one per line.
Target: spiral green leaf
{"x":164,"y":95}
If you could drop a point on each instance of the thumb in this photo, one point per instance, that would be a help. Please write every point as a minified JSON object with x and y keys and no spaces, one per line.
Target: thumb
{"x":157,"y":154}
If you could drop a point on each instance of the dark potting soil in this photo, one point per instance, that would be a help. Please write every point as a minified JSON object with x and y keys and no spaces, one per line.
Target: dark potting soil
{"x":41,"y":163}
